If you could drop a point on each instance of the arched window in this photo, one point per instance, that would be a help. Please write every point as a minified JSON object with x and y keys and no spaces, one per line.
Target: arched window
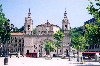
{"x":66,"y":26}
{"x":60,"y":50}
{"x":28,"y":27}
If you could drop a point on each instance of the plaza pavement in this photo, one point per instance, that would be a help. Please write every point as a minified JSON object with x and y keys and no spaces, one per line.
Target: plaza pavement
{"x":25,"y":61}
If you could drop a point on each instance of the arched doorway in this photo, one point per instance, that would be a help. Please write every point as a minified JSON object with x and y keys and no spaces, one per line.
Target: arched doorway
{"x":27,"y":51}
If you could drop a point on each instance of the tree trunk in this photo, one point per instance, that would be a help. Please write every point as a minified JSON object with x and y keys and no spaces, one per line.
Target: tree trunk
{"x":47,"y":52}
{"x":81,"y":57}
{"x":57,"y":51}
{"x":6,"y":55}
{"x":78,"y":56}
{"x":62,"y":51}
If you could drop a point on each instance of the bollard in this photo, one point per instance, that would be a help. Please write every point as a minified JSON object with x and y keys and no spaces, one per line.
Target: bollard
{"x":5,"y":61}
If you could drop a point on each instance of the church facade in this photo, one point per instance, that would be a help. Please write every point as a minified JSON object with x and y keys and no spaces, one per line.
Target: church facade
{"x":35,"y":43}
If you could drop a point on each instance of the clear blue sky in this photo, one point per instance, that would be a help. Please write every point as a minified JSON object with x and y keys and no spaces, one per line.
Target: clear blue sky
{"x":43,"y":10}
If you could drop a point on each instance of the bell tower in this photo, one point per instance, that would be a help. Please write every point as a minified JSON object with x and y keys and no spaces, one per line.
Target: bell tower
{"x":28,"y":24}
{"x":65,"y":23}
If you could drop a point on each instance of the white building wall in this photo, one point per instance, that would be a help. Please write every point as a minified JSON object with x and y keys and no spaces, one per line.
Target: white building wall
{"x":29,"y":43}
{"x":55,"y":29}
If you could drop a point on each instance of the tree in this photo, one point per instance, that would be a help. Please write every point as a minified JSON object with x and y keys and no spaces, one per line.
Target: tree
{"x":78,"y":40}
{"x":92,"y":32}
{"x":49,"y":47}
{"x":4,"y":27}
{"x":34,"y":31}
{"x":81,"y":38}
{"x":77,"y":31}
{"x":21,"y":29}
{"x":15,"y":29}
{"x":5,"y":30}
{"x":58,"y":36}
{"x":94,"y":10}
{"x":79,"y":43}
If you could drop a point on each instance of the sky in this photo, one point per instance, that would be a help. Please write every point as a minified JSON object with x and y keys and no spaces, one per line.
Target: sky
{"x":43,"y":10}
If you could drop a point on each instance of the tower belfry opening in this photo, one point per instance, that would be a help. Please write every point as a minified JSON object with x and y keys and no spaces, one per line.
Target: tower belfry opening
{"x":65,"y":14}
{"x":29,"y":13}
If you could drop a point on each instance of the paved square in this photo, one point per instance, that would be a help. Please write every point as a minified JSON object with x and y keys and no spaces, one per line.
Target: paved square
{"x":25,"y":61}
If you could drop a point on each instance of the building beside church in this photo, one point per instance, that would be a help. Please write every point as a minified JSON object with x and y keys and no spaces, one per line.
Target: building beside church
{"x":29,"y":43}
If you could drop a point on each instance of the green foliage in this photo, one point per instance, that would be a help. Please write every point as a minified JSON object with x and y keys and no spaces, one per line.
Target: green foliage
{"x":49,"y":46}
{"x":21,"y":29}
{"x":94,"y":9}
{"x":15,"y":29}
{"x":5,"y":27}
{"x":58,"y":36}
{"x":92,"y":33}
{"x":79,"y":43}
{"x":77,"y":39}
{"x":34,"y":31}
{"x":77,"y":31}
{"x":57,"y":44}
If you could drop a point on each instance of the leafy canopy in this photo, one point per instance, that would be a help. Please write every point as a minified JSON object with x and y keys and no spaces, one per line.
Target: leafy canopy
{"x":49,"y":46}
{"x":79,"y":43}
{"x":92,"y":33}
{"x":58,"y":36}
{"x":5,"y":27}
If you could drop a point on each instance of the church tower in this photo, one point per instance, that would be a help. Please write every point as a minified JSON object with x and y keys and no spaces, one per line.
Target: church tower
{"x":65,"y":23}
{"x":28,"y":24}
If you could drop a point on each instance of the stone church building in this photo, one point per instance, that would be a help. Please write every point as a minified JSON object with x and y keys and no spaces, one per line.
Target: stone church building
{"x":30,"y":43}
